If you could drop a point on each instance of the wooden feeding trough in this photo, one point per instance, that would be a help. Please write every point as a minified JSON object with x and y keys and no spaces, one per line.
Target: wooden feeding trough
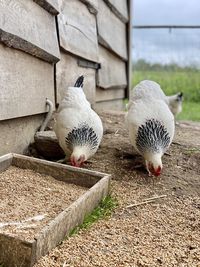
{"x":16,"y":250}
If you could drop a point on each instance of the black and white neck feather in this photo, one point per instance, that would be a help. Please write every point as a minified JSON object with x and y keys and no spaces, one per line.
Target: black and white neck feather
{"x":152,"y":137}
{"x":83,"y":135}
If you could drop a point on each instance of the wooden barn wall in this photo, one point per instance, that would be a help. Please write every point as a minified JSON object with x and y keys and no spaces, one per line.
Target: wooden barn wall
{"x":26,"y":82}
{"x":67,"y":71}
{"x":114,"y":56}
{"x":79,"y":46}
{"x":26,"y":68}
{"x":17,"y":134}
{"x":112,"y":31}
{"x":96,"y":31}
{"x":45,"y":45}
{"x":26,"y":26}
{"x":77,"y":29}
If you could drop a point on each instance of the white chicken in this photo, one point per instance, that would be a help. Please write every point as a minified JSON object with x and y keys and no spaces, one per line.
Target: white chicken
{"x":148,"y":88}
{"x":153,"y":89}
{"x":78,"y":128}
{"x":175,"y":103}
{"x":150,"y":124}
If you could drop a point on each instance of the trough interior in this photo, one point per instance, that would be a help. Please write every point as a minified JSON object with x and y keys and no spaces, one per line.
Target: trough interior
{"x":60,"y":172}
{"x":30,"y":200}
{"x":15,"y":251}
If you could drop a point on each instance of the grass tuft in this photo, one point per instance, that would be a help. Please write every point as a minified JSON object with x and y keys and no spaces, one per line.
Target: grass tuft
{"x":105,"y":209}
{"x":191,"y":151}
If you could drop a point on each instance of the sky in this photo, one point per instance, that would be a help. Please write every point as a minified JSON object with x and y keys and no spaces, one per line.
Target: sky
{"x":181,"y":46}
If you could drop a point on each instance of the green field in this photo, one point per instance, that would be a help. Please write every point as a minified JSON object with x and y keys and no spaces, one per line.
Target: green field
{"x":172,"y":82}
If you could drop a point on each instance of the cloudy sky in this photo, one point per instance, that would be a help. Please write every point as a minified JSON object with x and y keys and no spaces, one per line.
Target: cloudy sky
{"x":164,"y":46}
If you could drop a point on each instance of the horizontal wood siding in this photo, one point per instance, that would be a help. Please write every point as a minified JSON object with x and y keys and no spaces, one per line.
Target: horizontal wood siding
{"x":129,"y":41}
{"x":111,"y":30}
{"x":67,"y":71}
{"x":92,"y":5}
{"x":120,"y":8}
{"x":26,"y":82}
{"x":117,"y":104}
{"x":111,"y":94}
{"x":112,"y":73}
{"x":26,"y":26}
{"x":50,"y":5}
{"x":18,"y":133}
{"x":77,"y":30}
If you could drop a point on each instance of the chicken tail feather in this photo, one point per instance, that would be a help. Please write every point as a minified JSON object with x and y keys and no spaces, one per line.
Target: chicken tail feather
{"x":79,"y":81}
{"x":180,"y":96}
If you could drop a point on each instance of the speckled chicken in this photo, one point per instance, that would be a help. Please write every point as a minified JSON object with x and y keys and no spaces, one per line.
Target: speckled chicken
{"x":150,"y":125}
{"x":78,"y":128}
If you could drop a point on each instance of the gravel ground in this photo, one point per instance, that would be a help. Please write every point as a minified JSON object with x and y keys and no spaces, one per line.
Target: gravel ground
{"x":26,"y":202}
{"x":164,"y":232}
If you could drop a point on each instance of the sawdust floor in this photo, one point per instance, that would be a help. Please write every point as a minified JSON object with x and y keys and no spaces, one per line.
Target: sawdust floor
{"x":30,"y":200}
{"x":165,"y":232}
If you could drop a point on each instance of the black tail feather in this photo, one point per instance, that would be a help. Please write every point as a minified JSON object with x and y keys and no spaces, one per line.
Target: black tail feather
{"x":180,"y":96}
{"x":79,"y":81}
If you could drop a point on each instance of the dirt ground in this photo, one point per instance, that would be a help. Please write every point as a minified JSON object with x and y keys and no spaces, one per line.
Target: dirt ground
{"x":165,"y":232}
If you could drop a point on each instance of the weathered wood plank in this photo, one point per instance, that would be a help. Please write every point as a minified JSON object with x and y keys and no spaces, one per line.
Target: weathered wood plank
{"x":120,"y":8}
{"x":112,"y":73}
{"x":129,"y":65}
{"x":26,"y":82}
{"x":110,"y":94}
{"x":50,"y":5}
{"x":117,"y":104}
{"x":26,"y":26}
{"x":18,"y":133}
{"x":92,"y":5}
{"x":77,"y":30}
{"x":67,"y":71}
{"x":5,"y":161}
{"x":14,"y":252}
{"x":111,"y":30}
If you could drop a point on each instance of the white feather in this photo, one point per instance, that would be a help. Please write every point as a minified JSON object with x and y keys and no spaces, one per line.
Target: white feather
{"x":152,"y":89}
{"x":147,"y":89}
{"x":73,"y":111}
{"x":148,"y":102}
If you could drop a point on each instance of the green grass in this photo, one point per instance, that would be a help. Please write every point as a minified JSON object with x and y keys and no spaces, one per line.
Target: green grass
{"x":104,"y":210}
{"x":191,"y":111}
{"x":173,"y":82}
{"x":191,"y":151}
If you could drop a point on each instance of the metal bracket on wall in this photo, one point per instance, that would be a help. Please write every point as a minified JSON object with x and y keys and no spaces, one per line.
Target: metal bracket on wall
{"x":88,"y":64}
